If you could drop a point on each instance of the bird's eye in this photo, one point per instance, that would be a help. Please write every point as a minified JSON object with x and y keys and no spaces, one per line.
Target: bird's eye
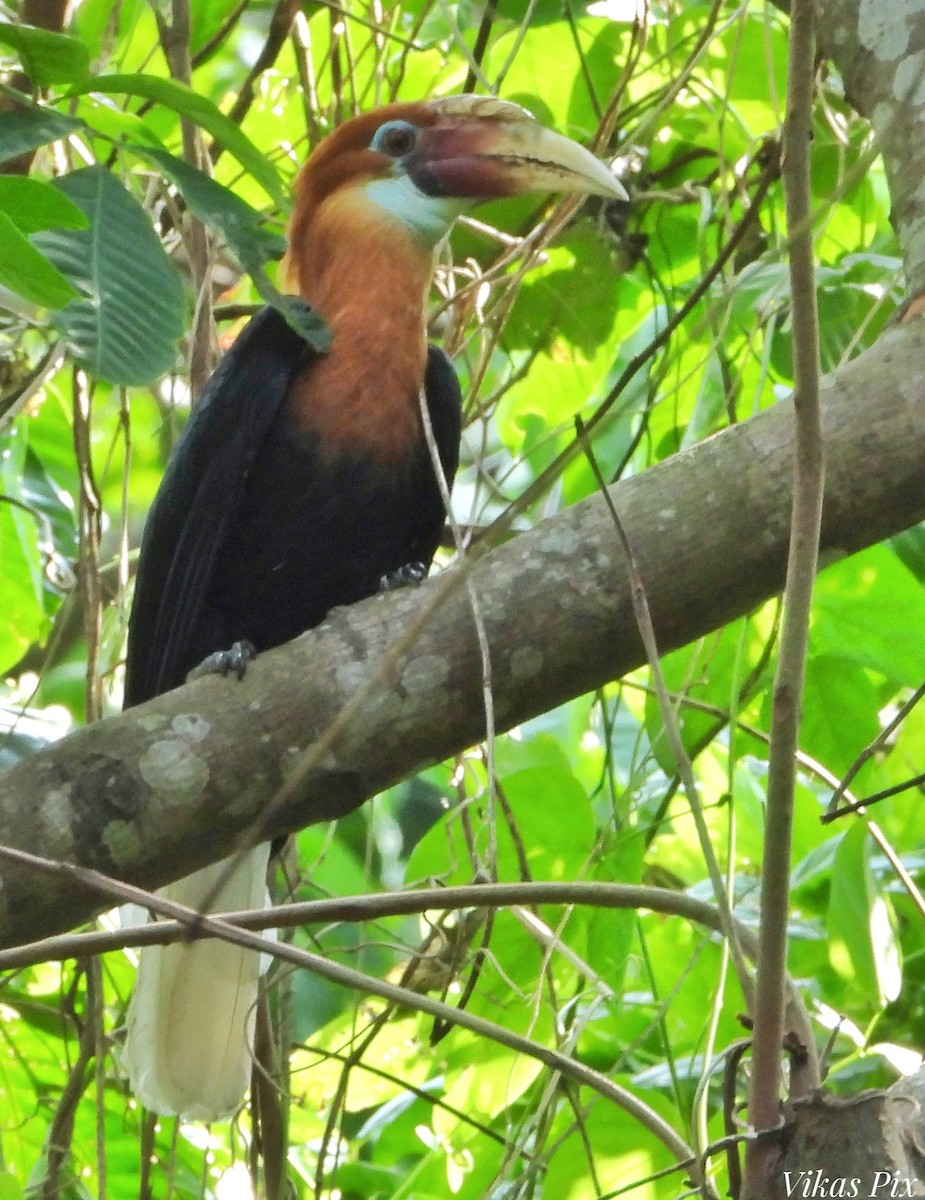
{"x":396,"y":139}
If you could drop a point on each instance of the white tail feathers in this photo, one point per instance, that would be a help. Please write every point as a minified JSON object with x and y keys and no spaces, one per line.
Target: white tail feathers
{"x":189,"y":1047}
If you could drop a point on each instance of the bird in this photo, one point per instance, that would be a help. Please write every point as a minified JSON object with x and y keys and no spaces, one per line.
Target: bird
{"x":303,"y":482}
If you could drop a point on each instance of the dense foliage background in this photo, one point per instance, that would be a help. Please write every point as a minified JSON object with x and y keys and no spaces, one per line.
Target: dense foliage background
{"x":101,"y":274}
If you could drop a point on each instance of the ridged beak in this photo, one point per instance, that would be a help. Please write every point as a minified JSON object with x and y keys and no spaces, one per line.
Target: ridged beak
{"x":482,"y":149}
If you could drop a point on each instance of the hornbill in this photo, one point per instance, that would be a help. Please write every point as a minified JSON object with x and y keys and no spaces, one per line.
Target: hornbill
{"x":301,"y":482}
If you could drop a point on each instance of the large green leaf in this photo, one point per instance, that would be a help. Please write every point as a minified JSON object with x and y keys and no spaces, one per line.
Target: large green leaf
{"x":241,"y":225}
{"x":126,"y":327}
{"x":116,"y":123}
{"x":187,"y":103}
{"x":27,"y":272}
{"x":9,"y":1188}
{"x":47,"y":57}
{"x":864,"y":943}
{"x":26,"y":129}
{"x":33,"y":205}
{"x":23,"y":617}
{"x":575,"y":297}
{"x":839,"y":711}
{"x":870,"y":609}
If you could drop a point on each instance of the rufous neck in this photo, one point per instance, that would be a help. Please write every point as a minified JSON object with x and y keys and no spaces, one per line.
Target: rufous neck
{"x":368,"y":277}
{"x":364,"y":272}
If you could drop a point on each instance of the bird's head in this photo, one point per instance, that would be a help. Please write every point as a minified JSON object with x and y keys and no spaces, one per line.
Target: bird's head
{"x":418,"y":166}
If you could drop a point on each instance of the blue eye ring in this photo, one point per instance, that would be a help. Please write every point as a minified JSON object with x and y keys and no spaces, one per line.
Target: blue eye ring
{"x":395,"y":139}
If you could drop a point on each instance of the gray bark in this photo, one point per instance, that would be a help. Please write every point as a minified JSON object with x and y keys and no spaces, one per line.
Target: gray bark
{"x":879,"y":50}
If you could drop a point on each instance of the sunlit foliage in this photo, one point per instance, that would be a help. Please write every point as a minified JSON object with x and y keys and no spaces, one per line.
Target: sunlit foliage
{"x":563,"y":313}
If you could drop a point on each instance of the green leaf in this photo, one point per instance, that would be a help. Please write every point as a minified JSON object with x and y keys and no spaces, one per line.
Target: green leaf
{"x":9,"y":1188}
{"x":27,"y":272}
{"x":115,"y":123}
{"x":303,"y":319}
{"x":863,"y":943}
{"x":126,"y":327}
{"x":47,"y":57}
{"x":23,"y":618}
{"x":711,"y":672}
{"x":237,"y":222}
{"x":207,"y":18}
{"x":187,"y":103}
{"x":910,"y":548}
{"x":625,"y":1155}
{"x":42,"y":1015}
{"x":839,"y":711}
{"x":241,"y":227}
{"x":26,"y":129}
{"x":550,"y":822}
{"x":33,"y":205}
{"x":574,"y":298}
{"x":47,"y":499}
{"x":870,"y":609}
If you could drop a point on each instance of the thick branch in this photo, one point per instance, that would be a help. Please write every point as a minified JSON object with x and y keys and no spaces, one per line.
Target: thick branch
{"x":171,"y":785}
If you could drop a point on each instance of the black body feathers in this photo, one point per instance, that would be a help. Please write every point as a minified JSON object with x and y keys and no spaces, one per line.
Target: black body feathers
{"x":257,"y":531}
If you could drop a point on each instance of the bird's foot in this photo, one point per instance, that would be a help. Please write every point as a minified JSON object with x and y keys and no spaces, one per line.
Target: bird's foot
{"x":408,"y":575}
{"x":224,"y":662}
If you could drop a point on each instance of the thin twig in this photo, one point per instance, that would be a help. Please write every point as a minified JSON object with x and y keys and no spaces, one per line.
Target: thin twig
{"x":478,"y":618}
{"x":834,"y":809}
{"x":481,"y":43}
{"x":280,"y":24}
{"x":61,"y":1130}
{"x":669,"y":717}
{"x":363,"y":907}
{"x":200,"y":924}
{"x":350,"y":908}
{"x":764,"y":1102}
{"x":175,"y":39}
{"x":90,"y":518}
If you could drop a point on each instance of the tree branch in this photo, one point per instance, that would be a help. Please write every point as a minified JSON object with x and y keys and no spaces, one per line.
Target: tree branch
{"x":159,"y":791}
{"x":764,"y":1111}
{"x":879,"y":51}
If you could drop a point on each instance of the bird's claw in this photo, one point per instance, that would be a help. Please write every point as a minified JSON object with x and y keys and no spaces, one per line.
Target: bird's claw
{"x":408,"y":575}
{"x":224,"y":662}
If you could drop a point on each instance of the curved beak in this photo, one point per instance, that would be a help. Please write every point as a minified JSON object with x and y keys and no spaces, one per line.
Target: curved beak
{"x":482,"y":149}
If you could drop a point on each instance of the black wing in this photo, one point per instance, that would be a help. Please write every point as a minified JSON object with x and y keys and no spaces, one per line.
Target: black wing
{"x":200,"y":497}
{"x":444,"y":403}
